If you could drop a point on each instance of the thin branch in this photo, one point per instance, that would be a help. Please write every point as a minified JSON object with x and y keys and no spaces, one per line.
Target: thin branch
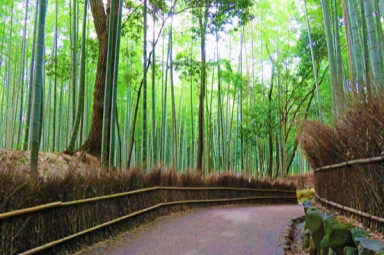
{"x":139,"y":91}
{"x":129,"y":16}
{"x":188,"y":8}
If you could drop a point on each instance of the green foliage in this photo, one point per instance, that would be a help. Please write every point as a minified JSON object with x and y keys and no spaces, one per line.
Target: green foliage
{"x":264,"y":119}
{"x":228,"y":76}
{"x":277,"y":25}
{"x":92,"y":50}
{"x":130,"y":69}
{"x":221,"y":15}
{"x":159,"y":5}
{"x":132,"y":23}
{"x":187,"y":66}
{"x":302,"y":50}
{"x":63,"y":68}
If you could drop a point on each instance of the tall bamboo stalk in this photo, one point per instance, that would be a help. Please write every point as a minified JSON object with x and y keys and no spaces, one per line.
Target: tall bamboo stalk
{"x":80,"y":104}
{"x":37,"y":92}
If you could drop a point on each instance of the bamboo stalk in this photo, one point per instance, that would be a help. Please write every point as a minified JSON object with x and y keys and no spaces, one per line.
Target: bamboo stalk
{"x":87,"y":200}
{"x":221,"y":200}
{"x":51,"y":244}
{"x":351,"y":210}
{"x":225,"y":188}
{"x":350,"y":163}
{"x":29,"y":210}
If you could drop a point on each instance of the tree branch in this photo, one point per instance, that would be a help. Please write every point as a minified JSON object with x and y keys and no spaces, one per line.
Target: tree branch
{"x":129,"y":16}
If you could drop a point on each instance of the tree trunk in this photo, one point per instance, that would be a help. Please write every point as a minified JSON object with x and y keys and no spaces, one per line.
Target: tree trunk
{"x":145,"y":124}
{"x":30,"y":89}
{"x":107,"y":113}
{"x":356,"y":46}
{"x":154,"y":133}
{"x":22,"y":72}
{"x":93,"y":143}
{"x":38,"y":91}
{"x":80,"y":104}
{"x":200,"y":148}
{"x":374,"y":49}
{"x":174,"y":139}
{"x":313,"y":62}
{"x":114,"y":116}
{"x":73,"y":32}
{"x":336,"y":82}
{"x":55,"y":82}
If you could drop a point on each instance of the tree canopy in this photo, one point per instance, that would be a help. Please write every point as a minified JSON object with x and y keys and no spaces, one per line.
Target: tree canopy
{"x":212,"y":85}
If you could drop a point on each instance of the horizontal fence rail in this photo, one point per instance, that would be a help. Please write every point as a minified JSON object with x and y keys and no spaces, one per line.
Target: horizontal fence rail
{"x":355,"y":187}
{"x":83,"y":216}
{"x":82,"y":201}
{"x":48,"y":245}
{"x":350,"y":210}
{"x":351,"y":163}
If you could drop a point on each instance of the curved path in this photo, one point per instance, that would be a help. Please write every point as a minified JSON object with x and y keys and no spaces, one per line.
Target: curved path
{"x":237,"y":230}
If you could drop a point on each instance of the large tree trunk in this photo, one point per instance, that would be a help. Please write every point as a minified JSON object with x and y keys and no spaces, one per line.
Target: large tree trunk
{"x":93,"y":143}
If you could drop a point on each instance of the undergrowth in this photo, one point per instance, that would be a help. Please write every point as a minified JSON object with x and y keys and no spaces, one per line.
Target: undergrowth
{"x":359,"y":133}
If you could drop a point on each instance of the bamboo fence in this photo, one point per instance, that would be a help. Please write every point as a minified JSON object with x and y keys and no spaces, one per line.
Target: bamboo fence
{"x":287,"y":196}
{"x":88,"y":200}
{"x":351,"y":210}
{"x":354,"y":188}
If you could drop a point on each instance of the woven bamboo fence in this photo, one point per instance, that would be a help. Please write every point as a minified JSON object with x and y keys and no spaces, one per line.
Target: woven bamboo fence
{"x":61,"y":227}
{"x":354,"y":188}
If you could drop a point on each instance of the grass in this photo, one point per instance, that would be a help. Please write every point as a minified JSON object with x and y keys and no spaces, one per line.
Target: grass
{"x":304,"y":194}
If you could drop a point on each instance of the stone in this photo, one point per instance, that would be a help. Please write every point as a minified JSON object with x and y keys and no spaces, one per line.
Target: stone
{"x":324,"y":245}
{"x":306,"y":238}
{"x":366,"y":245}
{"x":357,"y":232}
{"x":369,"y":246}
{"x":337,"y":235}
{"x":312,"y":248}
{"x":314,"y":222}
{"x":348,"y":250}
{"x":340,"y":237}
{"x":325,"y":235}
{"x":307,"y":204}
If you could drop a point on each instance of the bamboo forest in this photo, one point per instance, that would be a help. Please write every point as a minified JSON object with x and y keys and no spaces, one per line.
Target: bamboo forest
{"x":207,"y":85}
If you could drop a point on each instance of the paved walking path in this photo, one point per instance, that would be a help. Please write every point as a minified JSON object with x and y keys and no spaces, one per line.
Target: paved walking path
{"x":236,"y":230}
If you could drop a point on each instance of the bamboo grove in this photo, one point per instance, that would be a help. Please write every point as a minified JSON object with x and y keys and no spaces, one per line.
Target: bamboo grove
{"x":212,"y":85}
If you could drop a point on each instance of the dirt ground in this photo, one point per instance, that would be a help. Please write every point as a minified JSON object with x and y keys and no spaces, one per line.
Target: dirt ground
{"x":50,"y":163}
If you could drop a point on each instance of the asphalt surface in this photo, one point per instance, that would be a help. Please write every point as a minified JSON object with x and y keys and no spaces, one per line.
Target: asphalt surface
{"x":236,"y":230}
